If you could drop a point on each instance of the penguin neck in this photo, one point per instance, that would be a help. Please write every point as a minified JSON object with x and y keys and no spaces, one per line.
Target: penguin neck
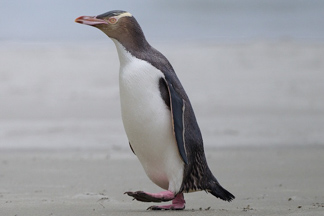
{"x":124,"y":55}
{"x":136,"y":46}
{"x":145,"y":53}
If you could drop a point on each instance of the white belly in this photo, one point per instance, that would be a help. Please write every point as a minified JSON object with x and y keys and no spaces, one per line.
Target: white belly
{"x":148,"y":124}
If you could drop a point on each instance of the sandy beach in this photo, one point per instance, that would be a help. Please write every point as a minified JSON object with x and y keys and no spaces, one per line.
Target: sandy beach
{"x":63,"y":150}
{"x":267,"y":181}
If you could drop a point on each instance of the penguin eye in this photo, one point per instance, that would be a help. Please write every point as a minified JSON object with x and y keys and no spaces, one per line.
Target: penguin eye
{"x":112,"y":20}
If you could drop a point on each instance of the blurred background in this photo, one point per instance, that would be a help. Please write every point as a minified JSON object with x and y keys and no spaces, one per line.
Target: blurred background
{"x":254,"y":71}
{"x":169,"y":21}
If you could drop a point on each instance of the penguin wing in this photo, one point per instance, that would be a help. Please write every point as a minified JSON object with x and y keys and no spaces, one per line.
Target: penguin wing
{"x":177,"y":106}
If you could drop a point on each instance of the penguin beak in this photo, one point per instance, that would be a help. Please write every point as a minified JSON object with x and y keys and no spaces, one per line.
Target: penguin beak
{"x":90,"y":20}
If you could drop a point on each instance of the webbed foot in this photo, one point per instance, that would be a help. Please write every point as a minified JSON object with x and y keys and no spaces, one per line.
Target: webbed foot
{"x":178,"y":203}
{"x":151,"y":197}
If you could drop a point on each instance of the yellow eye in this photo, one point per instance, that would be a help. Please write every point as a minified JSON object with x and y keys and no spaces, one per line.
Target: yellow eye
{"x":112,"y":20}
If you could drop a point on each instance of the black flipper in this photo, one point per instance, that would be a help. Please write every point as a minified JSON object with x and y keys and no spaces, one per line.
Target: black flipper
{"x":177,"y":106}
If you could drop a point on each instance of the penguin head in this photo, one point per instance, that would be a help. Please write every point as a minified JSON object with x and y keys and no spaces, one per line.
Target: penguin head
{"x":117,"y":24}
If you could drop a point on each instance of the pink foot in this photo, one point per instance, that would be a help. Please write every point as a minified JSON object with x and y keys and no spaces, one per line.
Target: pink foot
{"x":178,"y":203}
{"x":152,"y":197}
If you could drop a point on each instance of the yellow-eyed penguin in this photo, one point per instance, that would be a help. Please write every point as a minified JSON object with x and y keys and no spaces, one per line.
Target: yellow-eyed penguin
{"x":157,"y":115}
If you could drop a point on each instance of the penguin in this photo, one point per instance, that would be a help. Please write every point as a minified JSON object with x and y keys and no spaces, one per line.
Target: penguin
{"x":157,"y":115}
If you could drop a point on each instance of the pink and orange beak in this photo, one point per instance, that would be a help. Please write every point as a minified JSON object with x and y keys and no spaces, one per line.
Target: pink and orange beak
{"x":90,"y":20}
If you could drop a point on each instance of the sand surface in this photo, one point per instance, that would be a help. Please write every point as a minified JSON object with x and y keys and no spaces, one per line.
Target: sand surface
{"x":63,"y":151}
{"x":267,"y":181}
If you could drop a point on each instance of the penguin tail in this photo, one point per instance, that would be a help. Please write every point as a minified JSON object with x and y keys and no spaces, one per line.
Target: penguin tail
{"x":218,"y":191}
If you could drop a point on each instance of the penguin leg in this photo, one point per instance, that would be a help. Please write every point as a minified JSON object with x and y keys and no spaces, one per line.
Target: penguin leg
{"x":142,"y":196}
{"x":178,"y":203}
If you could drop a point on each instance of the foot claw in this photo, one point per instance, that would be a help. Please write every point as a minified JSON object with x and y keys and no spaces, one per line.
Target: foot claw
{"x":166,"y":207}
{"x":140,"y":196}
{"x":153,"y":208}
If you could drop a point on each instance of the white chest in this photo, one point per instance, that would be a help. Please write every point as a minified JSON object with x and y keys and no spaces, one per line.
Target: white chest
{"x":144,"y":113}
{"x":147,"y":121}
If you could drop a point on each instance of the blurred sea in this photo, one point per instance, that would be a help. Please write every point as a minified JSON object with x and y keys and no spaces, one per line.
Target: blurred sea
{"x":168,"y":20}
